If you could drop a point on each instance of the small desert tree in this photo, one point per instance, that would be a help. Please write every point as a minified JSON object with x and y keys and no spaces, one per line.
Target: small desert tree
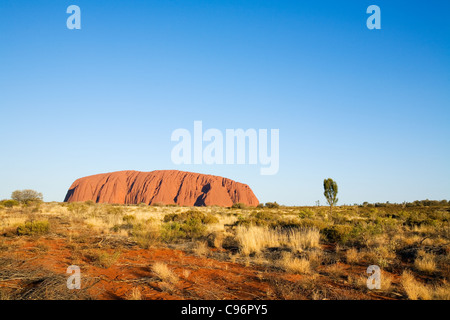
{"x":330,"y":192}
{"x":26,"y":196}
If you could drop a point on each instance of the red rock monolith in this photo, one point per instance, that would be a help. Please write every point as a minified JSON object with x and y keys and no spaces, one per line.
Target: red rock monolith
{"x":161,"y":186}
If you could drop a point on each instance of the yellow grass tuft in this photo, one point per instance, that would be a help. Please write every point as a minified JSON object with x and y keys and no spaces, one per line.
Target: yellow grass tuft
{"x":163,"y":272}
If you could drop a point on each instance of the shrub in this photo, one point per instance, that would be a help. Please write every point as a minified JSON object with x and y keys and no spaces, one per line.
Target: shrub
{"x":191,"y":228}
{"x":238,"y":206}
{"x":260,"y":218}
{"x":272,"y":205}
{"x":9,"y":203}
{"x":184,"y":217}
{"x":311,"y":223}
{"x":306,"y":213}
{"x":26,"y":196}
{"x":128,"y":218}
{"x":337,"y":233}
{"x":31,"y":228}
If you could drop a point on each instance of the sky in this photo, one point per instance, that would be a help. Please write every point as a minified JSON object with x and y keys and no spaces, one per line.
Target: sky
{"x":367,"y":108}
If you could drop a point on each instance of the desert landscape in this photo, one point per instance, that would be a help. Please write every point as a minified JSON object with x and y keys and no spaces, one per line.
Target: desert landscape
{"x":224,"y":158}
{"x":264,"y":251}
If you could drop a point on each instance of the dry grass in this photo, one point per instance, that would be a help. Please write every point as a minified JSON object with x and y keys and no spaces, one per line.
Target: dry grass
{"x":253,"y":239}
{"x":414,"y":289}
{"x":164,"y":273}
{"x":102,"y":258}
{"x":352,"y":256}
{"x":135,"y":294}
{"x":94,"y":232}
{"x":201,"y":249}
{"x":425,"y":262}
{"x":294,"y":265}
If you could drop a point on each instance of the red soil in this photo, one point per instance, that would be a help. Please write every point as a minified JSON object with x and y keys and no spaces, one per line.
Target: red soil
{"x":199,"y":277}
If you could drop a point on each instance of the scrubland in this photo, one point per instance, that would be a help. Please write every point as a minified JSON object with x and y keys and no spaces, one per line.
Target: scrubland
{"x":170,"y":252}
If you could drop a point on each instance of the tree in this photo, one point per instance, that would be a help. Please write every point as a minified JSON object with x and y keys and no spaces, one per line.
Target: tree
{"x":330,"y":192}
{"x":26,"y":196}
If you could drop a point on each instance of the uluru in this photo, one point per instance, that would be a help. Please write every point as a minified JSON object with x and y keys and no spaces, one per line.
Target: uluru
{"x":161,"y":187}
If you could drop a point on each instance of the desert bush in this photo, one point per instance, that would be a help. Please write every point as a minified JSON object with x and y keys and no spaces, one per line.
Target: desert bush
{"x":184,"y":217}
{"x":191,"y":229}
{"x":258,"y":218}
{"x":9,"y":203}
{"x":128,"y":218}
{"x":313,"y":223}
{"x":337,"y":233}
{"x":31,"y":228}
{"x":146,"y":234}
{"x":306,"y":213}
{"x":238,"y":206}
{"x":272,"y":205}
{"x":186,"y":225}
{"x":26,"y":196}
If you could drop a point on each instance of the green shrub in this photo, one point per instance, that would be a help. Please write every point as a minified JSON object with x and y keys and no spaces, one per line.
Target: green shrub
{"x":128,"y":218}
{"x":272,"y":205}
{"x":26,"y":196}
{"x":191,"y":229}
{"x":31,"y":228}
{"x":186,"y":225}
{"x":205,"y":218}
{"x":9,"y":203}
{"x":256,"y":218}
{"x":306,"y":213}
{"x":337,"y":233}
{"x":313,"y":224}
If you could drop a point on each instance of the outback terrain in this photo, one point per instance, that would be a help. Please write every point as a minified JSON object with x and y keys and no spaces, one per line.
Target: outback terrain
{"x":268,"y":252}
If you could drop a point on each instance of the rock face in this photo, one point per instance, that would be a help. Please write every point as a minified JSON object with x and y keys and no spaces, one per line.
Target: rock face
{"x":162,"y":186}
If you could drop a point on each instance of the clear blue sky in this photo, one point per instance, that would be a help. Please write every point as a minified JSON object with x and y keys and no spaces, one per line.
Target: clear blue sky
{"x":368,"y":108}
